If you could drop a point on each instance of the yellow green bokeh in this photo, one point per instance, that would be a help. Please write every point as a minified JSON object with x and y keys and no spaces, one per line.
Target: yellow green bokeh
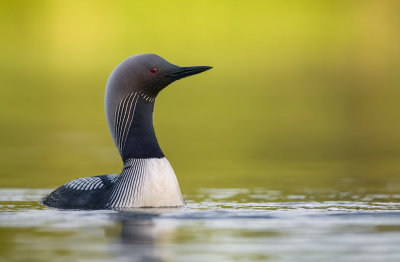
{"x":302,"y":94}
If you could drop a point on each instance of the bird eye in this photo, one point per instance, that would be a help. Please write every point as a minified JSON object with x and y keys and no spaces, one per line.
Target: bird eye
{"x":154,"y":70}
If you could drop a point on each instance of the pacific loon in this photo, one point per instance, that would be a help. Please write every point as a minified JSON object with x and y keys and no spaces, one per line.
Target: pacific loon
{"x":147,"y":178}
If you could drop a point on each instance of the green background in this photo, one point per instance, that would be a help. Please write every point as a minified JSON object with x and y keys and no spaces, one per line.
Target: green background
{"x":303,"y":94}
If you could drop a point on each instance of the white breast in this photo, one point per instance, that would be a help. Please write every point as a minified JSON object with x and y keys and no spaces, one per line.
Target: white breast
{"x":147,"y":183}
{"x":160,"y":187}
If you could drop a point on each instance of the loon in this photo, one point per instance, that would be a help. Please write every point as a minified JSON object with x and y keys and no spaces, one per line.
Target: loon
{"x":147,"y":178}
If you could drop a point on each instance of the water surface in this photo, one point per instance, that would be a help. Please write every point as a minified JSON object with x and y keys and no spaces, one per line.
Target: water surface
{"x":216,"y":225}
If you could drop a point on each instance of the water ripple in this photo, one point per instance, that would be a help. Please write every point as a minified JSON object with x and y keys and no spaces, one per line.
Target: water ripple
{"x":216,"y":225}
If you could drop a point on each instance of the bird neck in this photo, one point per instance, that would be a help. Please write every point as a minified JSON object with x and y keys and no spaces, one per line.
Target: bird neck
{"x":134,"y":130}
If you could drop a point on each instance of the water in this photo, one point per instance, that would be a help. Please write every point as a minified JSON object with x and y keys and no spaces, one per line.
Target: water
{"x":216,"y":225}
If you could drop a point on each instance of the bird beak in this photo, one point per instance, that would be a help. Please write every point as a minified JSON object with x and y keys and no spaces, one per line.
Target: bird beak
{"x":182,"y":72}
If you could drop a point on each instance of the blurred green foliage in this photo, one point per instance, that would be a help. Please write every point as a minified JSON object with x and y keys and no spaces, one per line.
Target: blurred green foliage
{"x":302,"y":94}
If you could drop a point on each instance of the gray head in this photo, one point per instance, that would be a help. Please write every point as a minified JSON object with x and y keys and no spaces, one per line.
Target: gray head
{"x":147,"y":74}
{"x":141,"y":76}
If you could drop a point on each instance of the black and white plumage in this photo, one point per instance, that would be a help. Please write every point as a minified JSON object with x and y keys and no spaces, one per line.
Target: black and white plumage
{"x":147,"y":178}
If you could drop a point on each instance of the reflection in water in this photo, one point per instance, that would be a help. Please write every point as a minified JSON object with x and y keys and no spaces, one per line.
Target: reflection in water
{"x":139,"y":238}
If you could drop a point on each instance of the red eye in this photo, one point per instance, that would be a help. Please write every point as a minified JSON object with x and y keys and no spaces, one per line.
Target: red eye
{"x":154,"y":70}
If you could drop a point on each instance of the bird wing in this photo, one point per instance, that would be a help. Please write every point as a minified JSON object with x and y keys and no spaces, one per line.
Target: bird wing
{"x":86,"y":192}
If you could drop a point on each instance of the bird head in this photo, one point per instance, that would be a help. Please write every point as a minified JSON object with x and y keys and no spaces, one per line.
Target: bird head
{"x":148,"y":74}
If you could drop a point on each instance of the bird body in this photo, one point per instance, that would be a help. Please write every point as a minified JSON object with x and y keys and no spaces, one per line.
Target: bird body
{"x":147,"y":178}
